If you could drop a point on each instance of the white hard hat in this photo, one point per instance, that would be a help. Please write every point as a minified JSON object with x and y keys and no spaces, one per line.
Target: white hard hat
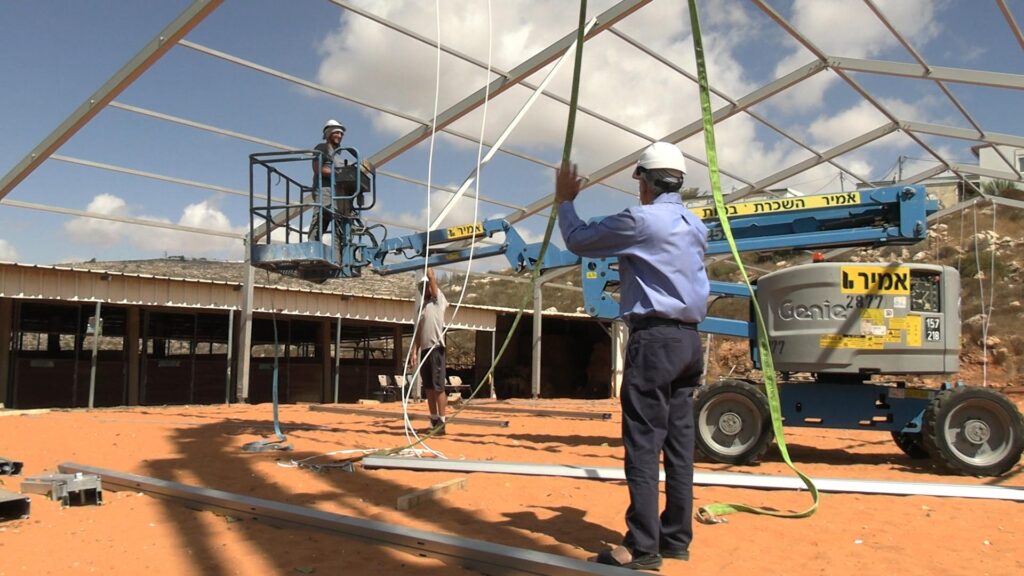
{"x":660,"y":155}
{"x":333,"y":126}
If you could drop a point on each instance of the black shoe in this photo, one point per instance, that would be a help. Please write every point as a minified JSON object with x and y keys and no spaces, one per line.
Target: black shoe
{"x":437,"y":427}
{"x":639,"y":562}
{"x":675,"y":553}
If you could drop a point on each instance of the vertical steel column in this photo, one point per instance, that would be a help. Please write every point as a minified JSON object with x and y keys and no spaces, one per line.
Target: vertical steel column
{"x":227,"y":375}
{"x":494,"y":338}
{"x":245,"y":342}
{"x":6,"y":326}
{"x":337,"y":358}
{"x":96,"y":330}
{"x":131,"y":337}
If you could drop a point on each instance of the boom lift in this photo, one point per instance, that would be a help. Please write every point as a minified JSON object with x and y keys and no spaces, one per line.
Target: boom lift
{"x":832,"y":326}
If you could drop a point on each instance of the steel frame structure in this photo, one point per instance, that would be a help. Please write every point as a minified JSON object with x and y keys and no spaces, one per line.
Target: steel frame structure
{"x":174,"y":35}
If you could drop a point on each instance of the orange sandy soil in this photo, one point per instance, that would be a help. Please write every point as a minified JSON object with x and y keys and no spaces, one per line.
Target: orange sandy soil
{"x":137,"y":534}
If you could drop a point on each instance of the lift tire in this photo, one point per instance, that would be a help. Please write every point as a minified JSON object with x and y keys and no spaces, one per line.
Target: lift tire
{"x":911,"y":443}
{"x":732,"y":422}
{"x":975,"y":431}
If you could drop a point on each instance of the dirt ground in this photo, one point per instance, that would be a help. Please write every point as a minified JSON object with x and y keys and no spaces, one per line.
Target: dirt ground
{"x":133,"y":533}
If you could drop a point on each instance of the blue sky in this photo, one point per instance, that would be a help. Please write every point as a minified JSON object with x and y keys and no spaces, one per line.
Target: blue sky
{"x":56,"y":53}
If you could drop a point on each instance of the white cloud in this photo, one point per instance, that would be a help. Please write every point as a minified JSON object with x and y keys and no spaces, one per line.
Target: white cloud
{"x":619,"y":81}
{"x":7,"y":251}
{"x":156,"y":241}
{"x":849,"y":28}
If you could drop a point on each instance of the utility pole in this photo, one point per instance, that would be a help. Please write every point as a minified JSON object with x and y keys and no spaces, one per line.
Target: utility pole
{"x":899,"y":168}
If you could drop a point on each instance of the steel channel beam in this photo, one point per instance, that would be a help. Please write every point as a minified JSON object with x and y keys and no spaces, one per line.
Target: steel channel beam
{"x":399,"y":415}
{"x":958,"y":75}
{"x":469,"y":59}
{"x":1011,"y":22}
{"x":942,"y":85}
{"x":150,"y":53}
{"x":124,"y":220}
{"x":728,"y":479}
{"x":665,"y":61}
{"x":683,"y":133}
{"x":987,"y":172}
{"x":546,"y":56}
{"x":481,"y":555}
{"x":993,"y":138}
{"x":152,"y":175}
{"x":842,"y":73}
{"x":540,"y":412}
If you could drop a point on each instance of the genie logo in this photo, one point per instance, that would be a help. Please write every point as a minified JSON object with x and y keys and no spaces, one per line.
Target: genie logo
{"x":824,"y":311}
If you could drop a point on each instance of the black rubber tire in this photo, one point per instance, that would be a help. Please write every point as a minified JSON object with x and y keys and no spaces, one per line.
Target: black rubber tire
{"x":975,"y":431}
{"x":732,"y":422}
{"x":911,"y":443}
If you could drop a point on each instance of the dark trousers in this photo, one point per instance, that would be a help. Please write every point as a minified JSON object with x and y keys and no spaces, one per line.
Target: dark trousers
{"x":663,"y":366}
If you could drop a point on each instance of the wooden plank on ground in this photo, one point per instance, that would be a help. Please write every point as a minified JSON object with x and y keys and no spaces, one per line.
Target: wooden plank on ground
{"x":407,"y":501}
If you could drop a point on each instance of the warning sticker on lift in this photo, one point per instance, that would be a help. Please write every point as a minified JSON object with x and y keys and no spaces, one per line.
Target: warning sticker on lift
{"x":911,"y":325}
{"x":781,"y":205}
{"x":858,"y":342}
{"x":875,"y":280}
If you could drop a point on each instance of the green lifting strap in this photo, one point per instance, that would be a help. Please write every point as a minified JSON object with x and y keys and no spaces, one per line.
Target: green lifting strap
{"x":712,"y":513}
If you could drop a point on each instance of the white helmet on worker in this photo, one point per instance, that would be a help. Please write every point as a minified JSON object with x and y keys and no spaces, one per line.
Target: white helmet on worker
{"x":660,"y":155}
{"x":333,"y":126}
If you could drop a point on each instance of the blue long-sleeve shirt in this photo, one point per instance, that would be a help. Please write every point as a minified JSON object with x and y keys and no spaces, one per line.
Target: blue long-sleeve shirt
{"x":661,"y":256}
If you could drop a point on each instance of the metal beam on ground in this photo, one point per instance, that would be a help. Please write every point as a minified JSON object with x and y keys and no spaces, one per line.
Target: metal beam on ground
{"x":399,"y":415}
{"x":150,"y":53}
{"x":726,"y":479}
{"x":477,"y":554}
{"x":539,"y":411}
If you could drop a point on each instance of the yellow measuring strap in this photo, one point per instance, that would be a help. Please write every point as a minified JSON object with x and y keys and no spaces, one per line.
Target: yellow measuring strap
{"x":712,"y":512}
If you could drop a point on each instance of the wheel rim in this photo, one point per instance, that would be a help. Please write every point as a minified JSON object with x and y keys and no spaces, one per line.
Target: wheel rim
{"x":730,"y":423}
{"x":979,"y":432}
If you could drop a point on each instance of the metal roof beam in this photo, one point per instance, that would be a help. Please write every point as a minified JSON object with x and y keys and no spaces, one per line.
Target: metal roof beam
{"x":150,"y":53}
{"x":842,"y":73}
{"x":679,"y":70}
{"x":799,"y":167}
{"x":605,"y":20}
{"x":986,"y":172}
{"x":152,"y":175}
{"x":691,"y":129}
{"x":1011,"y":22}
{"x":993,"y":138}
{"x":122,"y":219}
{"x":466,"y":58}
{"x":958,"y":75}
{"x":942,"y":85}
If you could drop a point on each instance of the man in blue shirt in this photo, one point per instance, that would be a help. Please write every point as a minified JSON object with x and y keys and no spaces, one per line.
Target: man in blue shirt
{"x":663,"y":295}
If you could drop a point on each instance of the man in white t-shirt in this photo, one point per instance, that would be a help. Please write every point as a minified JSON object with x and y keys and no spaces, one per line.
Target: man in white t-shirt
{"x":429,"y":340}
